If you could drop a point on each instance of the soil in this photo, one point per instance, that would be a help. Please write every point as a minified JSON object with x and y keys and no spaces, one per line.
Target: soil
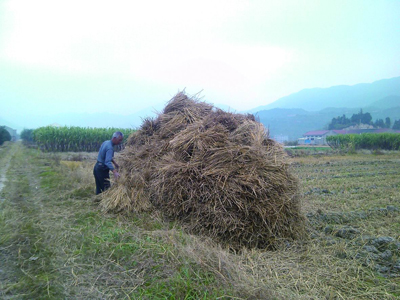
{"x":3,"y":178}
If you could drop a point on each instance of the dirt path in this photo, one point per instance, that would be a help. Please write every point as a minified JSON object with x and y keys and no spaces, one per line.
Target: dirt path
{"x":5,"y":158}
{"x":19,"y":206}
{"x":3,"y":177}
{"x":5,"y":154}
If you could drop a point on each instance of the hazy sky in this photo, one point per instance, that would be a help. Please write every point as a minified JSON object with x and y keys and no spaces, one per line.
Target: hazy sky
{"x":123,"y":56}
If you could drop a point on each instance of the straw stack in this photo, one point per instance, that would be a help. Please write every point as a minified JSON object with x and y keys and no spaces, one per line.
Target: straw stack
{"x":215,"y":172}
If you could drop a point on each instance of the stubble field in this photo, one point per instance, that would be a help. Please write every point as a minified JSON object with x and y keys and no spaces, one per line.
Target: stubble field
{"x":55,"y":243}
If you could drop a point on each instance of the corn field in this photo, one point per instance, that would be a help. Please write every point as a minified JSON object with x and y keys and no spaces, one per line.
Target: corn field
{"x":373,"y":141}
{"x":74,"y":139}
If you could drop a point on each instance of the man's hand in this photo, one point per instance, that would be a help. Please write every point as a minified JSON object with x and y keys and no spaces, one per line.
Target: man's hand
{"x":116,"y":174}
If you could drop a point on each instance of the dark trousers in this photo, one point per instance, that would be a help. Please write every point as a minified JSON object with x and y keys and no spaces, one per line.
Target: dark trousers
{"x":102,"y":176}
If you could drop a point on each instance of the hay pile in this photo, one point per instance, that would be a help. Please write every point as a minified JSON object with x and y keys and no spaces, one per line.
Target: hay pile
{"x":215,"y":172}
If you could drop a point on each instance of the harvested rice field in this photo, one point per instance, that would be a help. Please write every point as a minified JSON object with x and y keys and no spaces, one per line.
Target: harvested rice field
{"x":57,"y":243}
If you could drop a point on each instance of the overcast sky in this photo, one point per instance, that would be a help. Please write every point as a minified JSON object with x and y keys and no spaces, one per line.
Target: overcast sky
{"x":123,"y":56}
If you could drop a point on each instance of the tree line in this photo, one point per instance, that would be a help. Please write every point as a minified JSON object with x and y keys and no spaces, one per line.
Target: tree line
{"x":342,"y":122}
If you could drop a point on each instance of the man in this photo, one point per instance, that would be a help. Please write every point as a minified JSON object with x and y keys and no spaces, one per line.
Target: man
{"x":105,"y":161}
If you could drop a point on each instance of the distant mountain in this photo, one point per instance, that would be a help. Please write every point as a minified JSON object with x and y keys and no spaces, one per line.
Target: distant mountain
{"x":293,"y":123}
{"x":356,"y":96}
{"x":293,"y":115}
{"x":313,"y":109}
{"x":387,"y":102}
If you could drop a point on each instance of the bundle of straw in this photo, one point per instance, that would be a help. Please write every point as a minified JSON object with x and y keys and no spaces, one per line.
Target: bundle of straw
{"x":216,"y":172}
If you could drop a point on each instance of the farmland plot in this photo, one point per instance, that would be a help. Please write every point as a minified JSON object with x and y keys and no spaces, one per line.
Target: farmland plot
{"x":55,"y":243}
{"x":354,"y":200}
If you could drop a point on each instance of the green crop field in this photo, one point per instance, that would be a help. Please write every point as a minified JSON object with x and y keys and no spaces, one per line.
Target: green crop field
{"x":64,"y":139}
{"x":55,"y":243}
{"x":383,"y":141}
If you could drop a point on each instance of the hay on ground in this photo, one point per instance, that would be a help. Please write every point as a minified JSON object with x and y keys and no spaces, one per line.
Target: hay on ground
{"x":216,"y":172}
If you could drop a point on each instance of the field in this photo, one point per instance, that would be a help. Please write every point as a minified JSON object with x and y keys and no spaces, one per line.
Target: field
{"x":55,"y":243}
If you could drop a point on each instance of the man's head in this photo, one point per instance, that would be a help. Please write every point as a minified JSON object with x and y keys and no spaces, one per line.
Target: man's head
{"x":117,"y":138}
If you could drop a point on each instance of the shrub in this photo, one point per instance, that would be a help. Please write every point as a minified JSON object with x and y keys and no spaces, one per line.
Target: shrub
{"x":4,"y":135}
{"x":27,"y":135}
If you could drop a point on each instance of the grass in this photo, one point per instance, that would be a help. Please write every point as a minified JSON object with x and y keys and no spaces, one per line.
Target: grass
{"x":65,"y":248}
{"x":304,"y":151}
{"x":55,"y":243}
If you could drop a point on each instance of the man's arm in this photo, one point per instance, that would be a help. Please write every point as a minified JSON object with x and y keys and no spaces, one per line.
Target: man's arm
{"x":115,"y":164}
{"x":115,"y":171}
{"x":109,"y":159}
